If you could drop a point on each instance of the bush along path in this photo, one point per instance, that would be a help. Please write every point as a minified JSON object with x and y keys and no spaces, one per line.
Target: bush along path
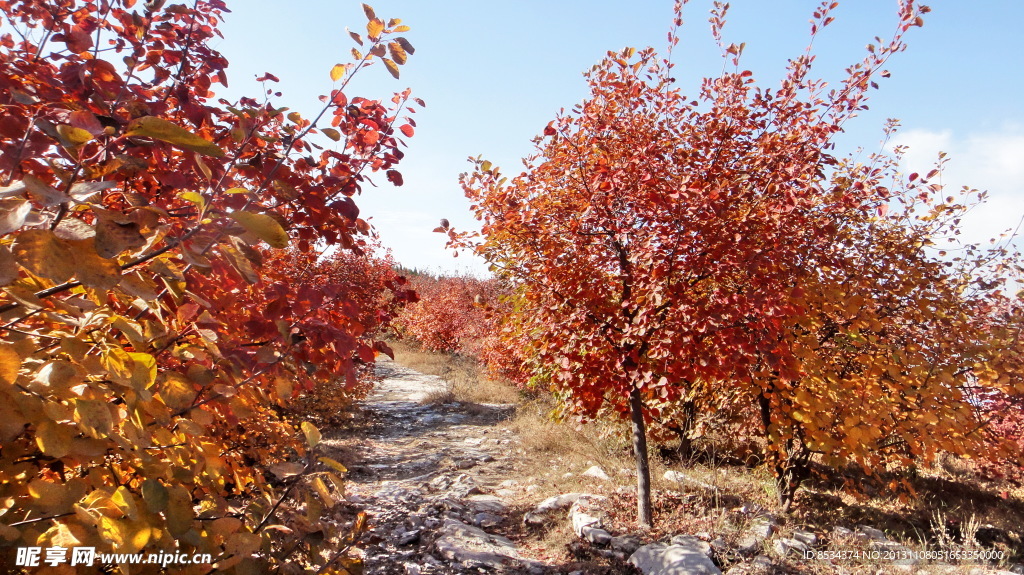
{"x":429,"y":474}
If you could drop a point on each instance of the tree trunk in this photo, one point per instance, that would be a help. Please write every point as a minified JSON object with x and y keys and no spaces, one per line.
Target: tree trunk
{"x":643,"y":470}
{"x":786,"y":484}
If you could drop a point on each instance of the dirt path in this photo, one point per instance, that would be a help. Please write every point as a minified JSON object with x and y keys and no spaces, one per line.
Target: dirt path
{"x":434,"y":478}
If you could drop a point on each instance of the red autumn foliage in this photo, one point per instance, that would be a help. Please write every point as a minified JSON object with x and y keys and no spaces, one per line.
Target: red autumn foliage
{"x":150,"y":341}
{"x":674,"y":257}
{"x":450,"y":315}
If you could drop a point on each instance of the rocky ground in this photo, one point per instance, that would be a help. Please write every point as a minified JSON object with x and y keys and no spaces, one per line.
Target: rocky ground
{"x":434,"y":478}
{"x":439,"y":481}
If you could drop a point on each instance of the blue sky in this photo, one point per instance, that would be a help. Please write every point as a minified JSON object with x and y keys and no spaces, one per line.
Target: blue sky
{"x":494,"y":73}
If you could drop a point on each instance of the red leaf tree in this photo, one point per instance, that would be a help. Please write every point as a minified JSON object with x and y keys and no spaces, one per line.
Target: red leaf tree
{"x":663,"y":246}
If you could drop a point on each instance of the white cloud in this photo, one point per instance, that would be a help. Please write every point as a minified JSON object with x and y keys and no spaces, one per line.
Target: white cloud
{"x":987,"y":161}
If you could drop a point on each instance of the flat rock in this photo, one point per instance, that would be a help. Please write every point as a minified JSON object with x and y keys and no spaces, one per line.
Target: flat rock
{"x":582,"y":520}
{"x":627,"y":544}
{"x":763,"y":527}
{"x":473,"y":547}
{"x":586,"y":512}
{"x":486,"y":503}
{"x":785,"y":546}
{"x":749,"y":545}
{"x":840,"y":532}
{"x":542,"y":513}
{"x":693,"y":542}
{"x":596,"y":472}
{"x":597,"y":536}
{"x":487,"y":520}
{"x":872,"y":533}
{"x":662,"y":559}
{"x":805,"y":537}
{"x":408,"y":537}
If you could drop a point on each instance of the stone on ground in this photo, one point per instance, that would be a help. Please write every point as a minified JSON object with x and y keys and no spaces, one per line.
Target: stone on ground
{"x":474,"y":547}
{"x":662,"y":559}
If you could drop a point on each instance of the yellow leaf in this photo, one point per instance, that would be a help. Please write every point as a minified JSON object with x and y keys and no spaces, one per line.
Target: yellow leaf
{"x":12,"y":422}
{"x":54,"y":439}
{"x":45,"y":490}
{"x":240,"y":263}
{"x":338,"y":72}
{"x":179,"y":511}
{"x":176,"y":390}
{"x":195,"y":198}
{"x":10,"y":363}
{"x":397,"y":52}
{"x":50,"y":497}
{"x":333,"y":464}
{"x":71,"y":136}
{"x":264,"y":227}
{"x":125,"y":501}
{"x":323,"y":492}
{"x":160,"y":129}
{"x":391,"y":66}
{"x":55,"y":377}
{"x":331,"y":133}
{"x":238,"y":546}
{"x":113,"y":532}
{"x":143,"y":370}
{"x":94,"y":417}
{"x":374,"y":27}
{"x":44,"y":254}
{"x":139,"y":286}
{"x":284,"y":388}
{"x":225,"y":526}
{"x":236,"y":191}
{"x":312,"y":434}
{"x":207,"y":172}
{"x":61,"y":535}
{"x":91,"y":269}
{"x":137,"y":535}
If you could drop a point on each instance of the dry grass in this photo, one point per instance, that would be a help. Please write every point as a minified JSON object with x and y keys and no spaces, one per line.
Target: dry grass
{"x":467,"y":381}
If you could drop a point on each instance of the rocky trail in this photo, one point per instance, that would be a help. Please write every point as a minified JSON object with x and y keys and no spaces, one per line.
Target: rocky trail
{"x":434,"y":479}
